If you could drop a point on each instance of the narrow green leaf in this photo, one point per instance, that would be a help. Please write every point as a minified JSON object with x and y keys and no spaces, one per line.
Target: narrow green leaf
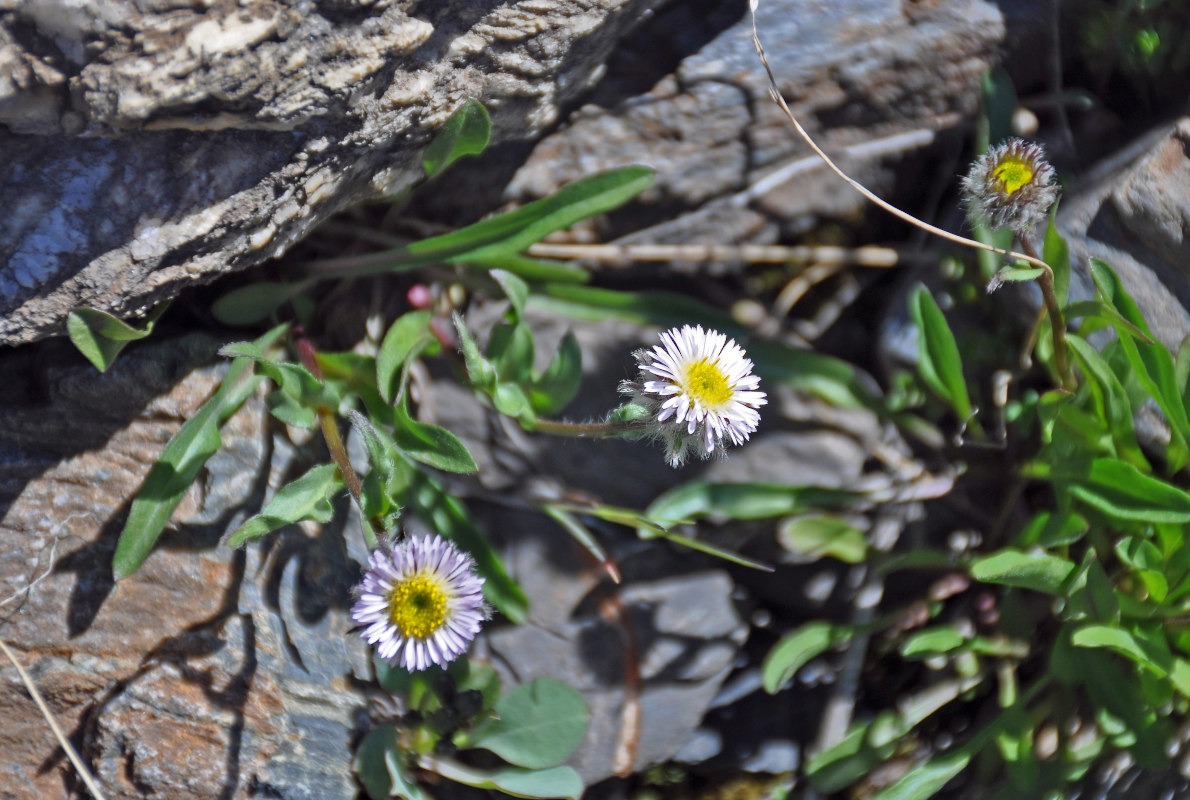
{"x":308,"y":497}
{"x":404,"y":339}
{"x":1040,"y":572}
{"x":100,"y":337}
{"x":854,"y":756}
{"x":938,"y":355}
{"x":1121,"y":491}
{"x":817,"y":536}
{"x":466,"y":133}
{"x":926,"y":780}
{"x":430,"y":444}
{"x":1110,"y":398}
{"x":480,"y":371}
{"x":432,"y":504}
{"x":1014,"y":274}
{"x":1053,"y":529}
{"x":514,"y":288}
{"x":724,"y":501}
{"x":255,"y":302}
{"x":553,"y":782}
{"x":1056,"y":253}
{"x":558,"y":385}
{"x":534,"y":269}
{"x":797,"y":648}
{"x":1126,"y":644}
{"x":513,"y":232}
{"x":180,"y":462}
{"x":537,"y":725}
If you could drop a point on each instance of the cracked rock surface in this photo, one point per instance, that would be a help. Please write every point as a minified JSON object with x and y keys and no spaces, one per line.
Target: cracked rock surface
{"x":154,"y":144}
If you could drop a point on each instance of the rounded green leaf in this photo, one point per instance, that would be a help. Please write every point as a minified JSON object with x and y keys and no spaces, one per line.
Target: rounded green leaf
{"x":818,"y":536}
{"x":537,"y":725}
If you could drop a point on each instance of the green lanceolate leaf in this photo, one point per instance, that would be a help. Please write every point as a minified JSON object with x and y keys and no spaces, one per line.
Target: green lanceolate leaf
{"x":1150,"y":652}
{"x":405,"y":338}
{"x":558,"y":385}
{"x":932,"y":641}
{"x":1121,"y":491}
{"x":1014,"y":274}
{"x":1056,"y":253}
{"x":536,"y":725}
{"x":514,"y":288}
{"x":534,"y":269}
{"x":926,"y":780}
{"x":515,"y":781}
{"x":723,"y":501}
{"x":294,"y":379}
{"x":430,"y":444}
{"x":100,"y":337}
{"x":1110,"y":397}
{"x":250,"y":304}
{"x":1040,"y":572}
{"x":180,"y":462}
{"x":938,"y":355}
{"x":480,"y":371}
{"x":797,"y":648}
{"x":308,"y":497}
{"x":513,"y":232}
{"x":1053,"y":529}
{"x":466,"y":133}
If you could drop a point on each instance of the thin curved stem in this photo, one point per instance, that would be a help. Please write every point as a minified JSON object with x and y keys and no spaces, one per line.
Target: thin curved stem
{"x":859,"y":187}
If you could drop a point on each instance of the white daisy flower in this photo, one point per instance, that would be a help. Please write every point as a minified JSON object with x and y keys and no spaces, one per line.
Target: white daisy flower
{"x":699,"y":388}
{"x":421,"y":604}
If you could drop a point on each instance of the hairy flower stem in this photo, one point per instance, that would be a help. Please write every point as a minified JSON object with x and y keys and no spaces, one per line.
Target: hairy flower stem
{"x":334,"y":441}
{"x":1057,"y":321}
{"x":583,"y":430}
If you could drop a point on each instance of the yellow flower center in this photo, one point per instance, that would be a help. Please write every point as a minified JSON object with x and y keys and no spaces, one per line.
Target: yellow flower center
{"x":706,"y":383}
{"x":417,"y":606}
{"x":1013,"y":174}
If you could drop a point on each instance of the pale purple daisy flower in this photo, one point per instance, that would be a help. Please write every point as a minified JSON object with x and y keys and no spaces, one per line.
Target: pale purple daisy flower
{"x":700,"y":391}
{"x":421,"y":603}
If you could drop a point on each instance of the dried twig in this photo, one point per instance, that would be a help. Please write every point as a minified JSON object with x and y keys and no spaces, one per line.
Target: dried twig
{"x":65,"y":744}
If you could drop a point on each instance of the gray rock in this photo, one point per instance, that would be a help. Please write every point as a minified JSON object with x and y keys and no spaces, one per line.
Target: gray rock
{"x":1133,"y":211}
{"x":716,"y":138}
{"x":152,"y":146}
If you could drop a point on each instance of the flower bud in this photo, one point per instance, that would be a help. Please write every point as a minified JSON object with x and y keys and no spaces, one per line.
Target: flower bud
{"x":1010,"y":186}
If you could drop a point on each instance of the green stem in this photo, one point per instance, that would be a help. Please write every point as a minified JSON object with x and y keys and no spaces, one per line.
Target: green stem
{"x":583,"y":430}
{"x":1057,"y":321}
{"x":334,"y":441}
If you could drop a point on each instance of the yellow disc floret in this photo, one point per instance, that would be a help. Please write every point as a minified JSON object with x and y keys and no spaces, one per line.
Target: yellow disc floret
{"x":417,"y":606}
{"x":1013,"y":174}
{"x":706,"y":383}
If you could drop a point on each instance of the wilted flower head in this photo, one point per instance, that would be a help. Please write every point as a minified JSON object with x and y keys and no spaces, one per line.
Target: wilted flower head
{"x":421,"y":603}
{"x":1011,"y":186}
{"x":700,"y":391}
